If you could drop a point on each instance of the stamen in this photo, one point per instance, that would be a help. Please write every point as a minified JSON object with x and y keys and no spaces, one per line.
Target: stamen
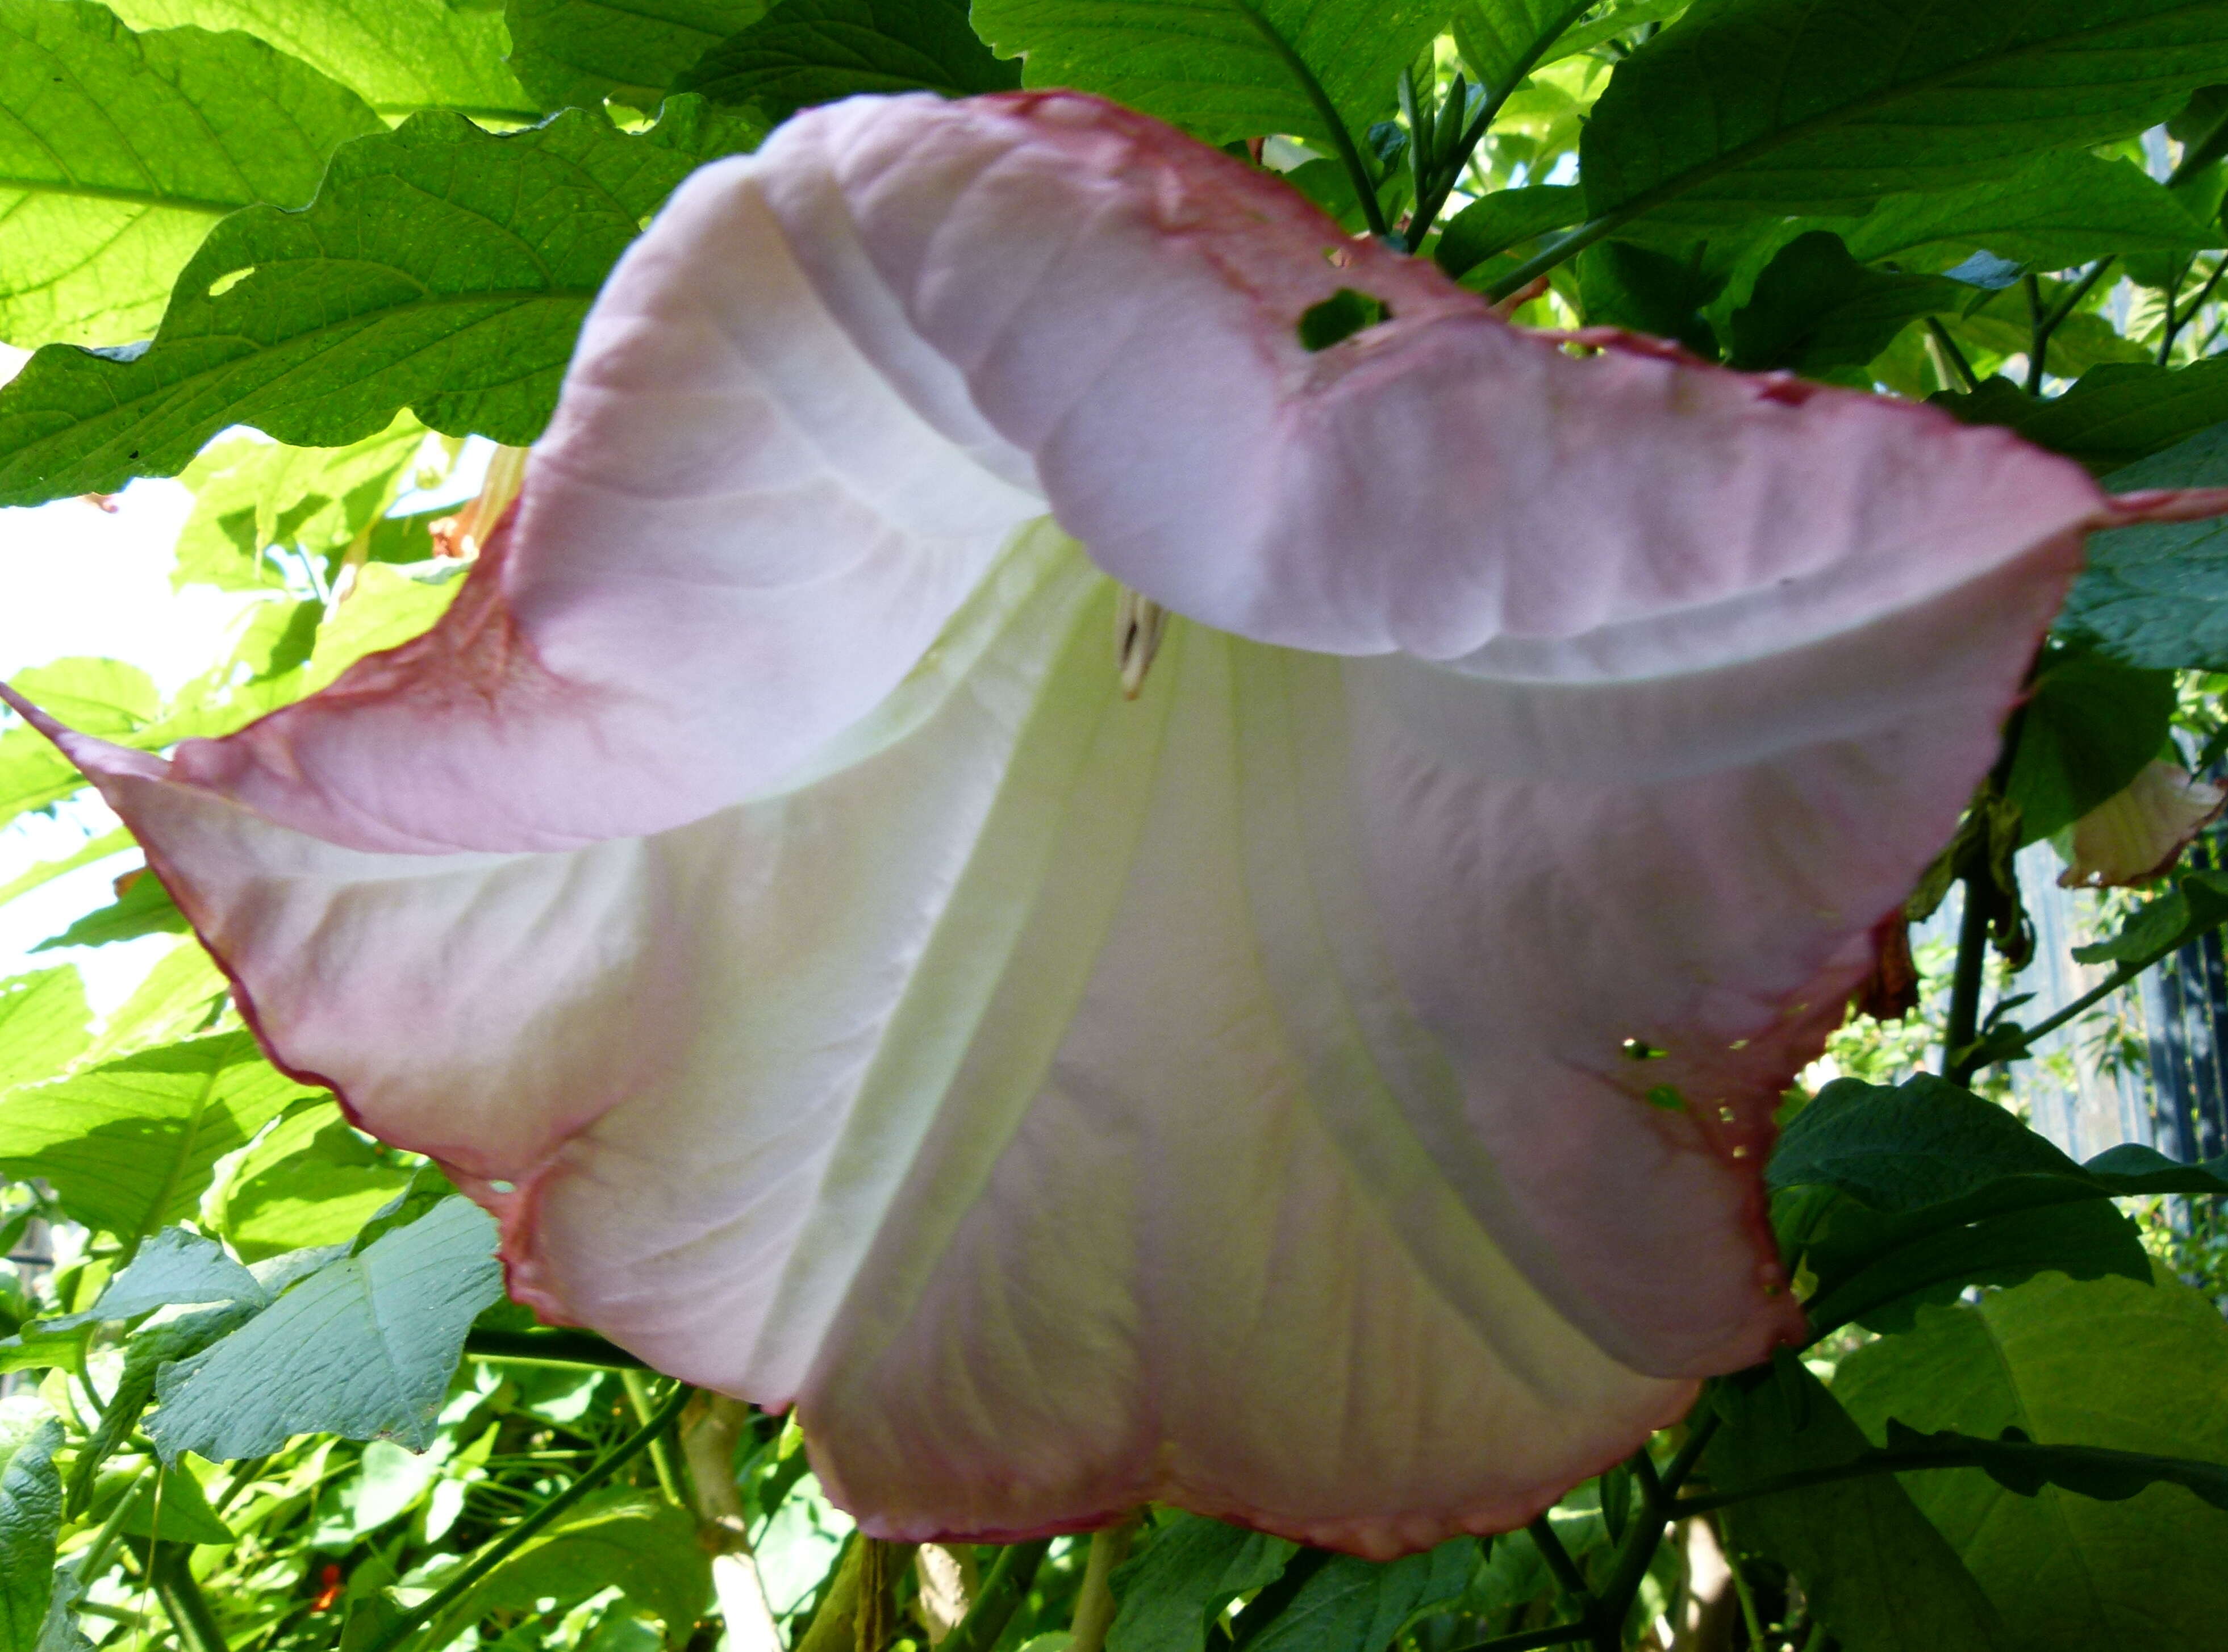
{"x":1139,"y":624}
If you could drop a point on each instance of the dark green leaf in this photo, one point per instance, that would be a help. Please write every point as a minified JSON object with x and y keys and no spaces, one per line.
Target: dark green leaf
{"x":2114,"y":416}
{"x":1814,"y":308}
{"x":131,"y":1145}
{"x":1203,"y":65}
{"x":1747,"y":107}
{"x":1501,"y":40}
{"x":440,"y":269}
{"x":2064,"y":208}
{"x":1503,"y":219}
{"x":2089,"y":725}
{"x":144,"y":908}
{"x":804,"y":52}
{"x":30,"y":1515}
{"x":120,"y":151}
{"x":580,"y":52}
{"x":175,"y":1510}
{"x":1622,"y":284}
{"x":1877,"y":1574}
{"x":1616,"y":22}
{"x":1192,"y":1570}
{"x":1352,"y":1602}
{"x":2198,"y":902}
{"x":398,"y":55}
{"x":2073,"y":1550}
{"x":362,"y":1347}
{"x":2157,"y":595}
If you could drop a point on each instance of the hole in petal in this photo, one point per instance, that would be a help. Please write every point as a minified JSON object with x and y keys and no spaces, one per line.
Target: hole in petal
{"x":1666,"y":1096}
{"x":1639,"y":1049}
{"x":1339,"y":316}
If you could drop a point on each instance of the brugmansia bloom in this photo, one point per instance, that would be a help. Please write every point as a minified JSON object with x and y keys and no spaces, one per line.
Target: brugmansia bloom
{"x":2138,"y":833}
{"x":1326,"y":1090}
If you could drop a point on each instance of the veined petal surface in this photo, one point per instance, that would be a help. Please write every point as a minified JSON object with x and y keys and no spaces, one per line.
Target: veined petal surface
{"x":758,"y":890}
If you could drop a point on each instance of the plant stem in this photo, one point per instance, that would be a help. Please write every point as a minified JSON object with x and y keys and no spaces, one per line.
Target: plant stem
{"x":2042,"y":324}
{"x":999,"y":1597}
{"x":1556,"y":252}
{"x":1559,"y":1562}
{"x":1965,"y":984}
{"x":1094,"y":1603}
{"x":550,"y":1347}
{"x":519,"y":1536}
{"x":1947,"y":347}
{"x":1363,"y":185}
{"x":1746,"y":1596}
{"x":660,"y":1452}
{"x":2173,"y":324}
{"x":1560,"y":1635}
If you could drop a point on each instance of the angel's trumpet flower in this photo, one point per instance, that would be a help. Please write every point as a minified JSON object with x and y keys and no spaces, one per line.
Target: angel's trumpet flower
{"x":1327,"y":1091}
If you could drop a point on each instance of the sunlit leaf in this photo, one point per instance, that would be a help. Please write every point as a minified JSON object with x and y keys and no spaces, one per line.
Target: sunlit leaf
{"x":580,"y":52}
{"x":804,"y":52}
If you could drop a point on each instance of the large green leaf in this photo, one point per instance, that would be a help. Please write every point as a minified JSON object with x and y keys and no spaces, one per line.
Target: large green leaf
{"x":2106,"y":1363}
{"x":362,"y":1347}
{"x":1503,"y":218}
{"x":804,"y":52}
{"x":43,"y":1026}
{"x":1748,"y":107}
{"x":118,"y":150}
{"x":2089,"y":725}
{"x":2157,"y":595}
{"x":399,"y":55}
{"x":441,"y":269}
{"x":143,"y":908}
{"x":1876,"y":1572}
{"x":2114,"y":416}
{"x":30,"y":1515}
{"x":1192,"y":1570}
{"x":630,"y":1540}
{"x":580,"y":52}
{"x":132,"y":1145}
{"x":1206,"y":66}
{"x":2064,"y":208}
{"x":108,"y":698}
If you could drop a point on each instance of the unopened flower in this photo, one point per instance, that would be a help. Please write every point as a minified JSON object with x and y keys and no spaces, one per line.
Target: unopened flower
{"x":1327,"y":1091}
{"x":2139,"y":832}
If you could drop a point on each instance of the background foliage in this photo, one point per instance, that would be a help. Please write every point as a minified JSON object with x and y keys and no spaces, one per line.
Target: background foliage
{"x":264,"y":1394}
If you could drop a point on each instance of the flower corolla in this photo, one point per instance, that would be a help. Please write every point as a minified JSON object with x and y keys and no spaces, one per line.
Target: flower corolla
{"x":1327,"y":1089}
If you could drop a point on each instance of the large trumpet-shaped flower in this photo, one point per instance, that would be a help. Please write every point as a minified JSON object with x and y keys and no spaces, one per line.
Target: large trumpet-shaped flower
{"x":1327,"y":1091}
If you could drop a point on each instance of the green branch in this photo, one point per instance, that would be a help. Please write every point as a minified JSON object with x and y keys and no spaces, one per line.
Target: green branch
{"x":550,"y":1348}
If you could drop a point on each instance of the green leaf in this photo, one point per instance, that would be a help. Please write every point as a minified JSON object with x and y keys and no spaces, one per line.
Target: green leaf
{"x":363,"y":1348}
{"x":1193,"y":1569}
{"x":309,"y":1180}
{"x":645,"y":1547}
{"x":176,"y":1509}
{"x":2157,"y":595}
{"x":131,"y":1146}
{"x":121,"y":150}
{"x":151,"y":1347}
{"x":178,"y":998}
{"x":2140,"y":1369}
{"x":2064,"y":208}
{"x":30,"y":1515}
{"x":1500,"y":221}
{"x":1205,"y":66}
{"x":250,"y":496}
{"x":46,"y":872}
{"x":144,"y":908}
{"x":1814,"y":308}
{"x":2114,"y":416}
{"x":2089,"y":725}
{"x":1877,"y":1574}
{"x":1502,"y":40}
{"x":1941,"y":1189}
{"x":1619,"y":21}
{"x":1755,"y":107}
{"x":43,"y":1026}
{"x":94,"y":696}
{"x":580,"y":52}
{"x":1624,"y":284}
{"x":1353,"y":1603}
{"x":804,"y":52}
{"x":2198,"y":902}
{"x":440,"y":269}
{"x":173,"y":1269}
{"x":398,"y":55}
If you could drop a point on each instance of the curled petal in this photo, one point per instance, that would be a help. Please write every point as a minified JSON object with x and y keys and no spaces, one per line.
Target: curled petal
{"x":1327,"y":1090}
{"x":2138,"y":833}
